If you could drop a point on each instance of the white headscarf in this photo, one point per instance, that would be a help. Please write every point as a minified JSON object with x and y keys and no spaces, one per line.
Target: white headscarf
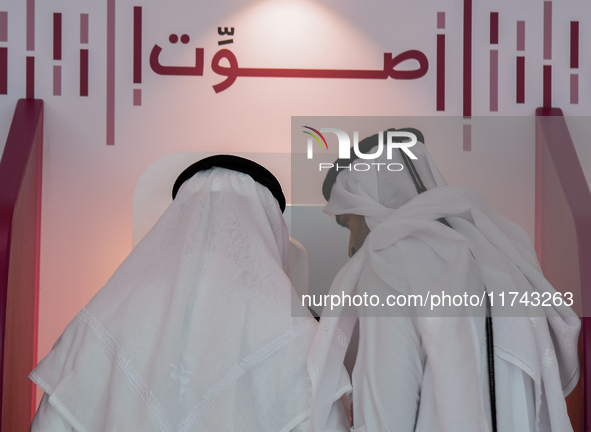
{"x":481,"y":239}
{"x":194,"y":330}
{"x":376,"y":193}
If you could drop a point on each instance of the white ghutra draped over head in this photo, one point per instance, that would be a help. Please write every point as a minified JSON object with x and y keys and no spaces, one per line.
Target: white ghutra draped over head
{"x":376,"y":192}
{"x":194,"y":330}
{"x":482,"y":251}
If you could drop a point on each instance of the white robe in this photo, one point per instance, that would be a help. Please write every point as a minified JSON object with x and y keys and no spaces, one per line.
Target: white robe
{"x":48,"y":419}
{"x":393,"y":378}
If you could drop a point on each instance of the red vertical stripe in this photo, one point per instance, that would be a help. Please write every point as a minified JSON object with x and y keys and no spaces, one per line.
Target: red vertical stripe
{"x":494,"y":27}
{"x":494,"y":80}
{"x":83,"y":72}
{"x":547,"y":86}
{"x":467,"y":72}
{"x":57,"y":36}
{"x":520,"y":80}
{"x":30,"y":77}
{"x":3,"y":70}
{"x":137,"y":45}
{"x":440,"y":72}
{"x":3,"y":26}
{"x":547,"y":30}
{"x":574,"y":44}
{"x":110,"y":72}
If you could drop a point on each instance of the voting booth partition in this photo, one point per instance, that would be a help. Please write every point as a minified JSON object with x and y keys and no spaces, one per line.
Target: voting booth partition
{"x":20,"y":220}
{"x":563,"y":237}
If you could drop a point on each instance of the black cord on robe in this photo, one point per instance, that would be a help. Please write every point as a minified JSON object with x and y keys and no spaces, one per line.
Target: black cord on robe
{"x":489,"y":326}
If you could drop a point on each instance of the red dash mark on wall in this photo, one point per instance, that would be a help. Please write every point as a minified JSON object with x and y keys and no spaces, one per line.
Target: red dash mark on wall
{"x":467,"y":137}
{"x":520,"y":78}
{"x":3,"y":70}
{"x":494,"y":80}
{"x":547,"y":86}
{"x":137,"y":45}
{"x":467,"y":58}
{"x":440,"y":72}
{"x":574,"y":44}
{"x":520,"y":35}
{"x":3,"y":26}
{"x":83,"y":72}
{"x":30,"y":77}
{"x":440,"y":20}
{"x":574,"y":89}
{"x":57,"y":80}
{"x":547,"y":30}
{"x":57,"y":36}
{"x":110,"y":72}
{"x":83,"y":28}
{"x":30,"y":25}
{"x":494,"y":28}
{"x":137,"y":97}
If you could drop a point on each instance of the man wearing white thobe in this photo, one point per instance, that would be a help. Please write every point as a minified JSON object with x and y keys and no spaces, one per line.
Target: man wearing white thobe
{"x":425,"y":370}
{"x":194,"y":330}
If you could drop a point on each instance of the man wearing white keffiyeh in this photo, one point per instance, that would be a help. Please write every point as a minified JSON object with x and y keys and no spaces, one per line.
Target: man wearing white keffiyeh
{"x":194,"y":330}
{"x":429,"y":371}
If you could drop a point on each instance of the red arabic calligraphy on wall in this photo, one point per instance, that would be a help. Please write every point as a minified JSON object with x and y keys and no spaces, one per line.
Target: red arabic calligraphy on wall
{"x":233,"y":71}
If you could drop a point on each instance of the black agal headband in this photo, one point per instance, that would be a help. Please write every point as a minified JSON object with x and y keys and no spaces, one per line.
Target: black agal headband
{"x":259,"y":173}
{"x":364,"y":147}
